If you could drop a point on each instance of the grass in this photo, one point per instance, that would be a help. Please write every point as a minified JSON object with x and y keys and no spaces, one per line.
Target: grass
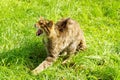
{"x":21,"y":50}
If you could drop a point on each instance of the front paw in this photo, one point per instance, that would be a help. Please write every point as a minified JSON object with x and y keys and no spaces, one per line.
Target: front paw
{"x":35,"y":72}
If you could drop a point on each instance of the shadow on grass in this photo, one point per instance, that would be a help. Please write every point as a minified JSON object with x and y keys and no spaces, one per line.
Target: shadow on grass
{"x":30,"y":56}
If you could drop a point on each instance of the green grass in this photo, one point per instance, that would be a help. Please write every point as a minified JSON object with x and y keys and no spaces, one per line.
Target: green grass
{"x":21,"y":50}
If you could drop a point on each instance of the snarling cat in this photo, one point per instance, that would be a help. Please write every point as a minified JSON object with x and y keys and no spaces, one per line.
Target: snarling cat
{"x":62,"y":36}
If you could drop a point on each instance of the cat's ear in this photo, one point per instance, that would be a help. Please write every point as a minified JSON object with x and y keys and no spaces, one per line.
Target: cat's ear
{"x":50,"y":24}
{"x":41,"y":18}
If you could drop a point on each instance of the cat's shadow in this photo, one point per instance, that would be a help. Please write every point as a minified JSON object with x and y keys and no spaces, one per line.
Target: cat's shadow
{"x":28,"y":55}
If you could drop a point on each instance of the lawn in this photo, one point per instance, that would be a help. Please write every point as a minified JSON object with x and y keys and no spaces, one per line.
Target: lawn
{"x":21,"y":50}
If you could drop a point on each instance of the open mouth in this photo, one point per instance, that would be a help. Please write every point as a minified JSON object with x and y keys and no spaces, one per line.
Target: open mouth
{"x":39,"y":32}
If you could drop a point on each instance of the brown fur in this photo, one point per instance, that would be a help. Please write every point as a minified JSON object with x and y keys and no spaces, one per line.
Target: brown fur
{"x":64,"y":36}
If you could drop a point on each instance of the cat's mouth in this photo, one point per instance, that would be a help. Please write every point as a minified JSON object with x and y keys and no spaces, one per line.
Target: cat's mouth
{"x":39,"y":32}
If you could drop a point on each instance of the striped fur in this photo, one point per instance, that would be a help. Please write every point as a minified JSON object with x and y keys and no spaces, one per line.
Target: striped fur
{"x":63,"y":36}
